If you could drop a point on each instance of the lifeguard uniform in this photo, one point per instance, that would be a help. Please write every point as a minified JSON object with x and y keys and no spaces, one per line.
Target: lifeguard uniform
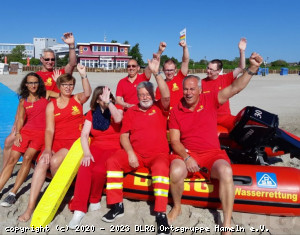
{"x":127,"y":89}
{"x":147,"y":132}
{"x":68,"y":124}
{"x":225,"y":118}
{"x":47,"y":77}
{"x":176,"y":89}
{"x":33,"y":130}
{"x":91,"y":179}
{"x":198,"y":131}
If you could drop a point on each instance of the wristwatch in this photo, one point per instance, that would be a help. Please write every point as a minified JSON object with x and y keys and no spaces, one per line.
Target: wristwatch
{"x":156,"y":74}
{"x":250,"y":72}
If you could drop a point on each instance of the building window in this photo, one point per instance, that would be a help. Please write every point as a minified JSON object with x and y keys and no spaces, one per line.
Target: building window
{"x":122,"y":50}
{"x":85,"y":48}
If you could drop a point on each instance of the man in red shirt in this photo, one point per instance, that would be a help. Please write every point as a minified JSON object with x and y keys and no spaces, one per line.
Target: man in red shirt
{"x":144,"y":142}
{"x":193,"y":134}
{"x":48,"y":74}
{"x":215,"y":82}
{"x":126,"y":88}
{"x":173,"y":81}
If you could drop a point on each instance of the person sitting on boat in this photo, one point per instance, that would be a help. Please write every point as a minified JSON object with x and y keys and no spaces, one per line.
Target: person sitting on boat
{"x":49,"y":76}
{"x":30,"y":132}
{"x":173,"y":80}
{"x":215,"y":82}
{"x":143,"y":137}
{"x":64,"y":120}
{"x":194,"y":140}
{"x":103,"y":122}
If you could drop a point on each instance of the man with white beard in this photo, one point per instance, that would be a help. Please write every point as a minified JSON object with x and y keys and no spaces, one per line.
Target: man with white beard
{"x":144,"y":142}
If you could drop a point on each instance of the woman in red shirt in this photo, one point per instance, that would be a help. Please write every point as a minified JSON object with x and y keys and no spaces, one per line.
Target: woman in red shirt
{"x":103,"y":122}
{"x":30,"y":131}
{"x":64,"y":120}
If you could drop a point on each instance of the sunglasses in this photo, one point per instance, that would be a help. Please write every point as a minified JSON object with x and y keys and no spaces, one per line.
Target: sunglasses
{"x":49,"y":59}
{"x":131,"y":66}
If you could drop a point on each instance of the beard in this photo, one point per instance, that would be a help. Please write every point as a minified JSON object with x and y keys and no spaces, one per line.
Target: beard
{"x":146,"y":104}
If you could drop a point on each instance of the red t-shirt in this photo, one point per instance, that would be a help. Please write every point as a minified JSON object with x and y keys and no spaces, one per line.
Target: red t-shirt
{"x":108,"y":139}
{"x":35,"y":115}
{"x":176,"y":89}
{"x":222,"y":81}
{"x":47,"y":77}
{"x":68,"y":121}
{"x":127,"y":89}
{"x":147,"y":130}
{"x":198,"y":128}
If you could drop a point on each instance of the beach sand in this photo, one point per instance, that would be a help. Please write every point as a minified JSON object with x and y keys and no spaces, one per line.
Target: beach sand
{"x":273,"y":93}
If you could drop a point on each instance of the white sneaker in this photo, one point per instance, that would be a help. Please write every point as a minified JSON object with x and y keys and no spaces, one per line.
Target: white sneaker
{"x":76,"y":220}
{"x":94,"y":206}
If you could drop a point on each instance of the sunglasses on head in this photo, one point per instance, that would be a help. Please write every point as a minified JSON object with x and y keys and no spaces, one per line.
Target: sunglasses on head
{"x":131,"y":66}
{"x":48,"y":59}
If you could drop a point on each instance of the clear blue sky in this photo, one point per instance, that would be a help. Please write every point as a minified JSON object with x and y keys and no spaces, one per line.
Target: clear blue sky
{"x":214,"y":27}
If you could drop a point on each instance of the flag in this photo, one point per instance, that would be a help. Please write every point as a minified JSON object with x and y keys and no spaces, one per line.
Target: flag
{"x":183,"y":34}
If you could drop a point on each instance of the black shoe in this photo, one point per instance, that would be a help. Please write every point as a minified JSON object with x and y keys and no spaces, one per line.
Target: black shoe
{"x":115,"y":212}
{"x":9,"y":200}
{"x":162,"y":224}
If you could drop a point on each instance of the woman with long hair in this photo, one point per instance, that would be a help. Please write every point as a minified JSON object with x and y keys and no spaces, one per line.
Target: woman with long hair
{"x":103,"y":123}
{"x":30,"y":131}
{"x":64,"y":120}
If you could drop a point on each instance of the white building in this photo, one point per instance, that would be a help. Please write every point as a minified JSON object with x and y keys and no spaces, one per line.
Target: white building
{"x":6,"y":48}
{"x":41,"y":43}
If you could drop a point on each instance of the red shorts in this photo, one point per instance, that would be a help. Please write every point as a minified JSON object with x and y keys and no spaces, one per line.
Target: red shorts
{"x":30,"y":139}
{"x":205,"y":160}
{"x":59,"y":144}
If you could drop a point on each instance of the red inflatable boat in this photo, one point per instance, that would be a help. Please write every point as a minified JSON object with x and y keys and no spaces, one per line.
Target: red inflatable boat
{"x":258,"y":189}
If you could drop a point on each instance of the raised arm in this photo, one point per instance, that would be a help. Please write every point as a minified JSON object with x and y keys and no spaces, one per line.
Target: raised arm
{"x":242,"y":63}
{"x":239,"y":84}
{"x":161,"y":48}
{"x":68,"y":38}
{"x":87,"y":90}
{"x":153,"y":65}
{"x":116,"y":114}
{"x":185,"y":58}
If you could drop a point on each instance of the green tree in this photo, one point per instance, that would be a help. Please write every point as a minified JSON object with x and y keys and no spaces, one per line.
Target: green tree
{"x":126,"y":42}
{"x":279,"y":63}
{"x":34,"y":61}
{"x":114,"y":41}
{"x":17,"y":54}
{"x":136,"y":54}
{"x":62,"y":62}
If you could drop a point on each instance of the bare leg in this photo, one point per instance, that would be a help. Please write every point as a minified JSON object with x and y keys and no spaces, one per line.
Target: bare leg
{"x":8,"y":169}
{"x":9,"y":141}
{"x":38,"y":180}
{"x":178,"y":173}
{"x":222,"y":171}
{"x":57,"y":159}
{"x":24,"y":170}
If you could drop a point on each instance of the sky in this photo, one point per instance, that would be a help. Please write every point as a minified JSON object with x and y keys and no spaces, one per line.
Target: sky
{"x":214,"y":27}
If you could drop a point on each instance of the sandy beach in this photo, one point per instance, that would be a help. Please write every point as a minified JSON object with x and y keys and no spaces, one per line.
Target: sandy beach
{"x":274,"y":93}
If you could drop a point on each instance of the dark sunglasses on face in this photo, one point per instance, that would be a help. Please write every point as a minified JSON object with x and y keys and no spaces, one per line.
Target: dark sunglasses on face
{"x":48,"y":59}
{"x":131,"y":66}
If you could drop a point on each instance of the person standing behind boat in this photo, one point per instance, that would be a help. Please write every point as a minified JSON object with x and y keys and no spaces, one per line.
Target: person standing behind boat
{"x":173,"y":81}
{"x":30,"y":132}
{"x":143,"y":137}
{"x":49,"y":76}
{"x":215,"y":82}
{"x":64,"y":120}
{"x":193,"y":134}
{"x":103,"y":122}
